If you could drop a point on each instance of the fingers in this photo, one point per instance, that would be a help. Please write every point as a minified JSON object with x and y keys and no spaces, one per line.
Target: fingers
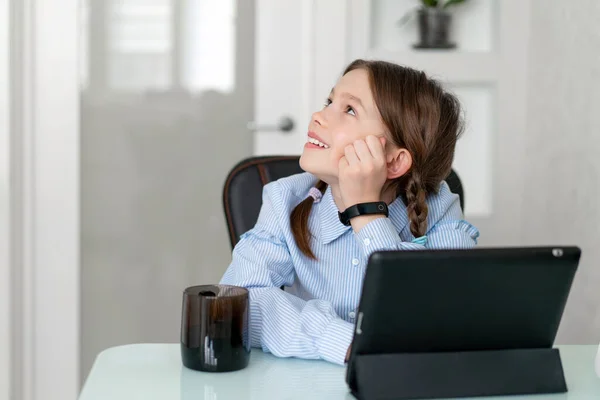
{"x":343,"y":163}
{"x":368,"y":150}
{"x":362,"y":150}
{"x":351,"y":156}
{"x":376,"y":146}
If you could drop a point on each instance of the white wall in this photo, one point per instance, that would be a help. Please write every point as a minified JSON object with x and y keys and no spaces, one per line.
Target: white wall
{"x":562,"y":168}
{"x":44,"y":193}
{"x":5,"y":326}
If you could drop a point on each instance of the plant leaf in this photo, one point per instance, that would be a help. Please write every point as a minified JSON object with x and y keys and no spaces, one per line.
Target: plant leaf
{"x":405,"y":18}
{"x":408,"y":16}
{"x":430,"y":3}
{"x":453,"y":2}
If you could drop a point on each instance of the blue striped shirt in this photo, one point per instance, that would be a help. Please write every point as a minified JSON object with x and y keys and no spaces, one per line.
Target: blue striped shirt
{"x":314,"y":317}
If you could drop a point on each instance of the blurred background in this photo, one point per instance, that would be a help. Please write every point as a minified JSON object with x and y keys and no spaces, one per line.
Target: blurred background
{"x":173,"y":93}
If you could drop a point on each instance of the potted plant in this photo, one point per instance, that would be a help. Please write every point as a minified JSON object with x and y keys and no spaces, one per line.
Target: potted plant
{"x":435,"y":22}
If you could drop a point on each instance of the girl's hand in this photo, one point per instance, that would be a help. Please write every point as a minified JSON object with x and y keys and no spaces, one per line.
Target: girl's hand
{"x":363,"y":171}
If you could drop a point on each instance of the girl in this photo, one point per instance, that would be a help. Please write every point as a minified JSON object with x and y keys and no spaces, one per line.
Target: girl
{"x":384,"y":139}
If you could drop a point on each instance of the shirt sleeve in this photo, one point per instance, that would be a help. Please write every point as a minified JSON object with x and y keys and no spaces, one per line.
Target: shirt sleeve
{"x":450,"y":231}
{"x":280,"y":322}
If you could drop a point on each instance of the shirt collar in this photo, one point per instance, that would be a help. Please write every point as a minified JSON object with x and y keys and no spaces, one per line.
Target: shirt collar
{"x":329,"y":227}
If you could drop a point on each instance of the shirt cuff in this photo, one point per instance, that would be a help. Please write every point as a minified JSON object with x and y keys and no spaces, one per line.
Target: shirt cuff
{"x":333,"y":345}
{"x":380,"y":234}
{"x":468,"y":229}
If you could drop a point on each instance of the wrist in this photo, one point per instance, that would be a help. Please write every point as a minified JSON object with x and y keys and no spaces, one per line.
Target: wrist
{"x":361,"y":221}
{"x":366,"y":199}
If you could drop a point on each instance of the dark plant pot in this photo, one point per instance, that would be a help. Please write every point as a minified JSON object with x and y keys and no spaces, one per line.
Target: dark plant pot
{"x":434,"y":29}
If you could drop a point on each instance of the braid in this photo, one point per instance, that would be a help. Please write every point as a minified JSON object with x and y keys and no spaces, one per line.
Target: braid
{"x":299,"y":222}
{"x":416,"y":205}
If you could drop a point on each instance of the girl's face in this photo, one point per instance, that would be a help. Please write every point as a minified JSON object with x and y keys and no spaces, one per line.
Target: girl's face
{"x":349,"y":114}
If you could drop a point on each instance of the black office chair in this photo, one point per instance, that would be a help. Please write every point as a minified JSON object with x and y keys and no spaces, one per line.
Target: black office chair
{"x":242,"y":194}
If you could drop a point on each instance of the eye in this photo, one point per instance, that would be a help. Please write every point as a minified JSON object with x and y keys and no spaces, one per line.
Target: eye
{"x":327,"y":102}
{"x":351,"y":111}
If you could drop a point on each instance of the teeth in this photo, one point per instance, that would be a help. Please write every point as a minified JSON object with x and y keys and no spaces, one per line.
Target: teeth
{"x":315,"y":141}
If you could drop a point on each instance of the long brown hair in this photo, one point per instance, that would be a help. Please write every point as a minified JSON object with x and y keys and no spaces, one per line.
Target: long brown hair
{"x":421,"y":117}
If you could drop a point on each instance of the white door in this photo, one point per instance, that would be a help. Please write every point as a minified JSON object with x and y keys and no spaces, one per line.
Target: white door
{"x":167,"y":98}
{"x":130,"y":114}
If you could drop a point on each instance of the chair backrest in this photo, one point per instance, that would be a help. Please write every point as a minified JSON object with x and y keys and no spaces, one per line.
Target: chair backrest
{"x":242,"y":193}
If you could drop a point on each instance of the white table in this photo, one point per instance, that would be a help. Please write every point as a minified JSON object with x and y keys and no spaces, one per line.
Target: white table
{"x":154,"y":371}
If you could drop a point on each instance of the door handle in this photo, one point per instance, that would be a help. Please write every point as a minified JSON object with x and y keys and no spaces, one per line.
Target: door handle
{"x":285,"y":124}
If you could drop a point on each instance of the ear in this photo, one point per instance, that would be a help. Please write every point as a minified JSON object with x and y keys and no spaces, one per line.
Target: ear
{"x":399,"y":162}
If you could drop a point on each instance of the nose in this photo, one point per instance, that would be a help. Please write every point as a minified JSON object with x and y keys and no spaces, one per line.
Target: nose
{"x":318,"y":118}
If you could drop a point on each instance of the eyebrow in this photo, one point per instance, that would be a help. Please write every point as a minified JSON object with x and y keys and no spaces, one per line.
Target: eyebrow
{"x":350,"y":96}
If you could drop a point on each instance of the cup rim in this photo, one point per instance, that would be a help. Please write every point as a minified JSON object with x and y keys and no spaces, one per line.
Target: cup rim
{"x":245,"y":291}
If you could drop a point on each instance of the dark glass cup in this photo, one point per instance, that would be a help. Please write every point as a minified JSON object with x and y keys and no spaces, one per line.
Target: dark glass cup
{"x":215,"y":334}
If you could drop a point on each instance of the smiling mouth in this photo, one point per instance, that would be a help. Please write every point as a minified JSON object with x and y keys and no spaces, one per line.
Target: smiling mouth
{"x":317,"y":142}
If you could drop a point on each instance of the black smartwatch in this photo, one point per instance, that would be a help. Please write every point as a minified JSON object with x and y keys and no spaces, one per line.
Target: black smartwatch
{"x":378,"y":207}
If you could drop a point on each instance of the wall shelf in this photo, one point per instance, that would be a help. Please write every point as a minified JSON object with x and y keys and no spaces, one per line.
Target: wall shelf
{"x":452,"y":66}
{"x":474,"y":24}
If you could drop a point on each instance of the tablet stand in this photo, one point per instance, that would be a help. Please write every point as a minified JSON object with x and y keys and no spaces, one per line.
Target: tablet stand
{"x":457,"y":374}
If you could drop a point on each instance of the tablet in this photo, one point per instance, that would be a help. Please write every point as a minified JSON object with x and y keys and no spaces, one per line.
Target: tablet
{"x":462,"y":300}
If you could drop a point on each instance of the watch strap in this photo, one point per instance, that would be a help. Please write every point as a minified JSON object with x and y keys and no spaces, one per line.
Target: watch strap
{"x":377,"y":207}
